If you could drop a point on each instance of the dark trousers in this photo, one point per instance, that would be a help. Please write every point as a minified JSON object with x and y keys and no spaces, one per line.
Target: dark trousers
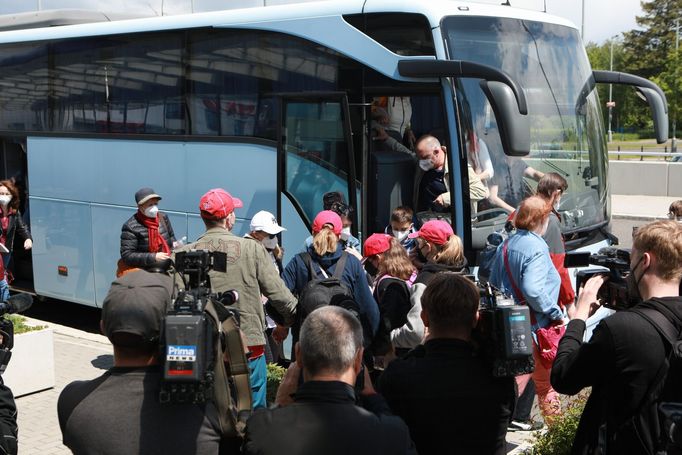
{"x":524,"y":404}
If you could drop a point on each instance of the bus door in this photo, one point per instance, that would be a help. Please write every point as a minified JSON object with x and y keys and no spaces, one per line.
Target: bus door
{"x":396,"y":122}
{"x":13,"y":166}
{"x":315,"y":157}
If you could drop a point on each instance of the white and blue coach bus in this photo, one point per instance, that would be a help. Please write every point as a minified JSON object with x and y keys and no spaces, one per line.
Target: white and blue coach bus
{"x":274,"y":104}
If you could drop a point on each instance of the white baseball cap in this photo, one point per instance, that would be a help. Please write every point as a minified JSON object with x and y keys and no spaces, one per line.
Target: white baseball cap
{"x":266,"y":222}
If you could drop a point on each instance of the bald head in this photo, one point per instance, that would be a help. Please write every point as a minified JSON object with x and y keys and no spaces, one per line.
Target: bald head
{"x":429,"y":148}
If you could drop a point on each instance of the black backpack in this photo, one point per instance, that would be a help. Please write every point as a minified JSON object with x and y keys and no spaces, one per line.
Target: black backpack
{"x":319,"y":292}
{"x":486,"y":257}
{"x":634,"y":432}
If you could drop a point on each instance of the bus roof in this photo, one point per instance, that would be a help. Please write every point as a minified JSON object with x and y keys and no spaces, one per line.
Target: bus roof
{"x":434,"y":11}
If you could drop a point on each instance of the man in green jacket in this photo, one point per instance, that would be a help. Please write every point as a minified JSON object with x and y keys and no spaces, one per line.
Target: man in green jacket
{"x":250,"y":273}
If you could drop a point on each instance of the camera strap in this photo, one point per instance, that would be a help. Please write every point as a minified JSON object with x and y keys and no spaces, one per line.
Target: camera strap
{"x":231,"y":369}
{"x":515,"y":289}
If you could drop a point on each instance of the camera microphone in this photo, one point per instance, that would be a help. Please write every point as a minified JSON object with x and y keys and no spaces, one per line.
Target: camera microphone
{"x":228,"y":298}
{"x":17,"y":303}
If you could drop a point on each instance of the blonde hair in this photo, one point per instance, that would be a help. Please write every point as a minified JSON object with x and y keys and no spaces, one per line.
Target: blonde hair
{"x":664,"y":240}
{"x":325,"y":241}
{"x":395,"y":262}
{"x":451,"y":252}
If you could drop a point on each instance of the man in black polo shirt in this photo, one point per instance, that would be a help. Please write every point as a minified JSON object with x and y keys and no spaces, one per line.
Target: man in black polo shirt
{"x":120,"y":412}
{"x":446,"y":394}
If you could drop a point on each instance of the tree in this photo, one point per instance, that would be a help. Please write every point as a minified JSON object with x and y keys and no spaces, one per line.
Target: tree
{"x":650,"y":53}
{"x":626,"y":101}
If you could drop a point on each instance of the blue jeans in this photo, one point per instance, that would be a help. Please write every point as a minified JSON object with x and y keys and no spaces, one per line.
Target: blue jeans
{"x":259,"y":373}
{"x":4,"y":291}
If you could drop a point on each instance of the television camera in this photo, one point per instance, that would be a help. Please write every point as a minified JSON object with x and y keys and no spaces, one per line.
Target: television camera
{"x":190,"y":332}
{"x":503,"y":333}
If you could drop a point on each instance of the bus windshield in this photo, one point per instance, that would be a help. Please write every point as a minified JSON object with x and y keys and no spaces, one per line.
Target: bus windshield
{"x":550,"y":63}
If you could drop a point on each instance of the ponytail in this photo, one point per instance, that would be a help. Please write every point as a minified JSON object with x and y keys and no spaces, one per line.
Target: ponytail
{"x":451,"y":252}
{"x":325,"y":241}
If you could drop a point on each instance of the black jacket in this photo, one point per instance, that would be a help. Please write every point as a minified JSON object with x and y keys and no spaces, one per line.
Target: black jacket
{"x":430,"y":269}
{"x":135,"y":241}
{"x":8,"y":421}
{"x":16,"y":226}
{"x":325,"y":420}
{"x":620,"y":362}
{"x":449,"y":399}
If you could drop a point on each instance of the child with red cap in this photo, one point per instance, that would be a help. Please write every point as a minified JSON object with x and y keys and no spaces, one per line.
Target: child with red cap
{"x":444,"y":252}
{"x":387,"y":261}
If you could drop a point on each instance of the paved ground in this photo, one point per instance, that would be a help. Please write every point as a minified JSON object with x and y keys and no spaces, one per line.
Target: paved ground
{"x":78,"y":355}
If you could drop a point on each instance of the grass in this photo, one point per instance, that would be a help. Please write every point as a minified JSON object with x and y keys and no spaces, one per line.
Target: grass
{"x":20,"y":325}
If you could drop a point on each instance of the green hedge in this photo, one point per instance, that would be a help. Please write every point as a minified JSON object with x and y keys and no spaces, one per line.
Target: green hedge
{"x":558,"y":437}
{"x":275,"y":376}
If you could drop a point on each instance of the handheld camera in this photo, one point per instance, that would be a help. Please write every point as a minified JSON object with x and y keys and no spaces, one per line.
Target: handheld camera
{"x":616,"y":264}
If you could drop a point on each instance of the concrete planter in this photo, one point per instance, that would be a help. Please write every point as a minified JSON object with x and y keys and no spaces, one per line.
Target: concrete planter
{"x":31,"y":368}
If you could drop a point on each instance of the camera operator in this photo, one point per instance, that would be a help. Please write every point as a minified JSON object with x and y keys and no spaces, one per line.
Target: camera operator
{"x":447,"y":395}
{"x":8,"y":409}
{"x":120,"y":412}
{"x":626,"y":360}
{"x":324,"y":417}
{"x":250,"y":273}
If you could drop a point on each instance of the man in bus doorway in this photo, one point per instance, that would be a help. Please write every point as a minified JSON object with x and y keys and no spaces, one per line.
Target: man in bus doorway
{"x":432,"y":182}
{"x":250,"y":273}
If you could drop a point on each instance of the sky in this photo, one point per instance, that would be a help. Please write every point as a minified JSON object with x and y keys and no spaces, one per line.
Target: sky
{"x":603,"y":18}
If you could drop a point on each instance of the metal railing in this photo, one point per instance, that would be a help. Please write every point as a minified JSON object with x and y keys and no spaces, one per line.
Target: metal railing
{"x":641,"y":153}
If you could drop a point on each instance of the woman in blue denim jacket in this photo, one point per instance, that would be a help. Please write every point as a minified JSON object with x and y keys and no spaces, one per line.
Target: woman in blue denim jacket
{"x":535,"y":276}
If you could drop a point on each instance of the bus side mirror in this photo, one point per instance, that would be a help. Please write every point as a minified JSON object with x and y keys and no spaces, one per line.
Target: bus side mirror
{"x":659,"y":112}
{"x":513,"y":126}
{"x":506,"y":96}
{"x":651,"y":92}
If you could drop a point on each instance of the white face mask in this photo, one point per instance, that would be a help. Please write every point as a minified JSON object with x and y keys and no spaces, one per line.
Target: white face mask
{"x":269,"y":243}
{"x":345,"y":233}
{"x":151,"y":211}
{"x":5,"y":199}
{"x":426,"y":165}
{"x":401,"y":235}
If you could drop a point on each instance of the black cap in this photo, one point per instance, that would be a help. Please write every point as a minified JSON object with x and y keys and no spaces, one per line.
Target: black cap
{"x":145,"y":194}
{"x":134,"y":307}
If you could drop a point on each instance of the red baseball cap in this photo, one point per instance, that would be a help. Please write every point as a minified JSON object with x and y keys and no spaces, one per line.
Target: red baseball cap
{"x":377,"y":244}
{"x":327,"y":217}
{"x":434,"y":231}
{"x":217,"y":203}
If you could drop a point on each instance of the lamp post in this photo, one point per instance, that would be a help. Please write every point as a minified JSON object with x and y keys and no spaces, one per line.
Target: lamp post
{"x":673,"y":146}
{"x":582,"y":23}
{"x":611,"y":104}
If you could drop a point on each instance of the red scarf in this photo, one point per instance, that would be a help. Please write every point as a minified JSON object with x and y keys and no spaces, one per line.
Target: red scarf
{"x":157,"y":244}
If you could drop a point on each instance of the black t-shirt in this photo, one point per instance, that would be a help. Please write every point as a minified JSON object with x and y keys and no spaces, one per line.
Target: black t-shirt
{"x":431,"y":186}
{"x":120,"y":413}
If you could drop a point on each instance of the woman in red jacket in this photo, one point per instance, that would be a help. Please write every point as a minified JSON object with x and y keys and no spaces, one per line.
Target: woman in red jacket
{"x":550,"y":187}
